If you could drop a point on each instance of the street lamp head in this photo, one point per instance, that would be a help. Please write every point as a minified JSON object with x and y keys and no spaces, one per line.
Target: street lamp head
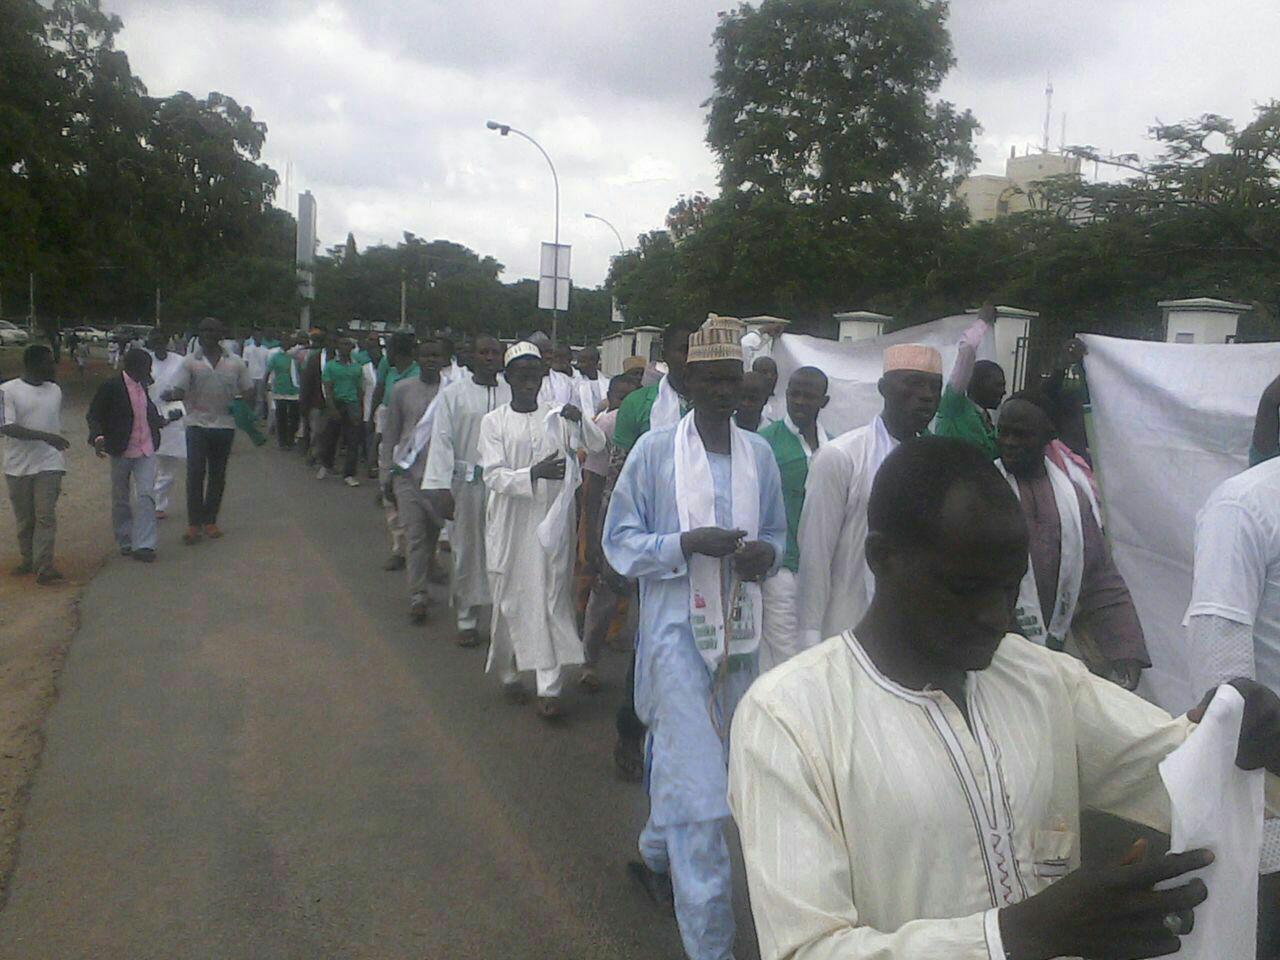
{"x":502,"y":128}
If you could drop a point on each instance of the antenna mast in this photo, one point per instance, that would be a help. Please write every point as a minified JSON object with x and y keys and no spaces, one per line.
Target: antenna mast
{"x":1048,"y":110}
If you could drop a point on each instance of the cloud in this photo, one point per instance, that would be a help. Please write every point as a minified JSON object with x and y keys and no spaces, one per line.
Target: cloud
{"x":380,"y":106}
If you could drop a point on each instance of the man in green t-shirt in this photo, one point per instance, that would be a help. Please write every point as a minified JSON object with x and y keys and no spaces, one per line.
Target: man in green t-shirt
{"x":975,"y":388}
{"x":794,"y":439}
{"x":343,"y":384}
{"x":283,"y":389}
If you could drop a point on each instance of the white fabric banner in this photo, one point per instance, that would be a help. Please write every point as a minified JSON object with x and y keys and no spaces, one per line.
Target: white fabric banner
{"x":854,"y":366}
{"x":1171,"y":421}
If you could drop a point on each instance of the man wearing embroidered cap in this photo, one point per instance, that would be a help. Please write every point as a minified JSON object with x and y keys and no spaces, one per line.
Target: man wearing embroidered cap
{"x":835,"y":583}
{"x":528,"y":453}
{"x":697,"y":517}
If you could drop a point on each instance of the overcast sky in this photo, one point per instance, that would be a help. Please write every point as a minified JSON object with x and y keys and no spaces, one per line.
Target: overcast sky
{"x":380,"y":105}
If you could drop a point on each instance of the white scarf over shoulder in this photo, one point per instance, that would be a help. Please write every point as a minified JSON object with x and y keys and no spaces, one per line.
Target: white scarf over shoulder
{"x":666,"y":407}
{"x":1070,"y":567}
{"x":722,"y":626}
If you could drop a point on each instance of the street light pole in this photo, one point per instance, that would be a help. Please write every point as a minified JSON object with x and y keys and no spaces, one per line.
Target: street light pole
{"x":504,"y":129}
{"x":622,"y":249}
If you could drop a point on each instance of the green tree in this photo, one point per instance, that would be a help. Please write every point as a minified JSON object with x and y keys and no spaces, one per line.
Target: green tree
{"x":835,"y":101}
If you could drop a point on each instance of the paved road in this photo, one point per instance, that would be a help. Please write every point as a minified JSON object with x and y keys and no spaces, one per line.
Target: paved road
{"x":254,"y":755}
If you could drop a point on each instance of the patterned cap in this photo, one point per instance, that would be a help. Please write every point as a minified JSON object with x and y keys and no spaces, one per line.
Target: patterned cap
{"x":913,"y":356}
{"x":522,"y":349}
{"x":720,"y":338}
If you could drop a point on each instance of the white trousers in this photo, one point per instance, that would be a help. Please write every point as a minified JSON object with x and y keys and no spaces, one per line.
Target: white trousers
{"x":780,"y":633}
{"x":697,"y":858}
{"x":167,"y":470}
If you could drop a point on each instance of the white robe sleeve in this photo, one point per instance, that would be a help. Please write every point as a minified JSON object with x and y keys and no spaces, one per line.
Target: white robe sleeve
{"x":438,"y":472}
{"x":499,"y":476}
{"x":593,"y":437}
{"x":1220,"y":650}
{"x":795,"y":845}
{"x":826,"y":492}
{"x":630,"y":539}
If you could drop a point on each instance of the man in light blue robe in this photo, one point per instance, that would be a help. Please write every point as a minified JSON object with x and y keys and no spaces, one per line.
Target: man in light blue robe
{"x":686,"y":690}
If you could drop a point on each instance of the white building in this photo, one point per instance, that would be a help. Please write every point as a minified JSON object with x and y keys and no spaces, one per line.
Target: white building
{"x":988,"y":196}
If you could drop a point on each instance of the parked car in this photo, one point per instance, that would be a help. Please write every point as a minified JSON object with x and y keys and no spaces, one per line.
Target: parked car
{"x":91,"y":334}
{"x":126,"y":332}
{"x":12,"y":335}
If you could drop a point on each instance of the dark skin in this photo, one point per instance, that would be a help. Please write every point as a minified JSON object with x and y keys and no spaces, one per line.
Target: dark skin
{"x":987,"y":385}
{"x":941,"y":610}
{"x":524,"y":376}
{"x":911,"y":399}
{"x":39,"y":371}
{"x":675,"y":353}
{"x":159,"y":344}
{"x":756,"y":391}
{"x":1022,"y":435}
{"x":714,"y":387}
{"x":562,"y":359}
{"x":589,"y":362}
{"x":806,"y":398}
{"x":486,"y":363}
{"x":768,"y":368}
{"x":210,"y":335}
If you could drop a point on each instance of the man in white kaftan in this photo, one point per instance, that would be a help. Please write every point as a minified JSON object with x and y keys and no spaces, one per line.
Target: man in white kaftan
{"x":835,"y":584}
{"x":528,"y":456}
{"x":674,"y":492}
{"x":453,"y":469}
{"x":913,"y":789}
{"x":171,"y":455}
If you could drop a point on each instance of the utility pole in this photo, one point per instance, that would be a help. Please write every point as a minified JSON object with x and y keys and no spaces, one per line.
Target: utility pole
{"x":31,"y":299}
{"x":403,"y":290}
{"x":157,"y":306}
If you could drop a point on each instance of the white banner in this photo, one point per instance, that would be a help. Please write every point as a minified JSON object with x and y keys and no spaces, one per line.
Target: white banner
{"x":854,"y":367}
{"x":1171,"y":421}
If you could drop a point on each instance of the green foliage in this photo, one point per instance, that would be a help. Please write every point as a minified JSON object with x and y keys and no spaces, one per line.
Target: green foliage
{"x":834,"y":101}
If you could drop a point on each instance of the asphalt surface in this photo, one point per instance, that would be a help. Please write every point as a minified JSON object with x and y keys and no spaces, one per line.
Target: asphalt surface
{"x":255,"y":755}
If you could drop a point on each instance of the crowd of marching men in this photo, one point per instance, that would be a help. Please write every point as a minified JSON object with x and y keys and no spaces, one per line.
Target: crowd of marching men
{"x":918,"y":623}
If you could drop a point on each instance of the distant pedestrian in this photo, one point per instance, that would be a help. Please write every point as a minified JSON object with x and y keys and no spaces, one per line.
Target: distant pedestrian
{"x":124,"y":425}
{"x":33,"y":462}
{"x":208,"y":384}
{"x":343,"y":381}
{"x":171,"y":455}
{"x":282,"y":381}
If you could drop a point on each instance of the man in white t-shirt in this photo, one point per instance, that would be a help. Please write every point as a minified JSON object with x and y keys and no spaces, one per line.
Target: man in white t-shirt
{"x":31,"y":424}
{"x":255,"y":357}
{"x":1233,"y":622}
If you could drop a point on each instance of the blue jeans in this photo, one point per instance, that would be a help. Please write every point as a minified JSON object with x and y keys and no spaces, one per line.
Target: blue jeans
{"x":133,"y":512}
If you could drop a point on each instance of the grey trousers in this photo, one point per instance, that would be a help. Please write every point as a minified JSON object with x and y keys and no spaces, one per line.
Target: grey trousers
{"x":133,"y":501}
{"x":34,"y":498}
{"x":419,"y":524}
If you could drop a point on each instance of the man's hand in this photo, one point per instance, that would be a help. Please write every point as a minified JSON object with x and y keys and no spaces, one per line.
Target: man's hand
{"x":571,"y":413}
{"x":57,"y":441}
{"x":1125,"y":673}
{"x":1073,"y":351}
{"x":753,"y":560}
{"x":550,"y":468}
{"x":442,"y":503}
{"x":987,"y":312}
{"x":1108,"y":913}
{"x":1259,"y":729}
{"x":100,"y":447}
{"x":711,"y":541}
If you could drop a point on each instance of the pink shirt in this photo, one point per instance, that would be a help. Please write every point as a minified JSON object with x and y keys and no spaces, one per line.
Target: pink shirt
{"x":140,"y":444}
